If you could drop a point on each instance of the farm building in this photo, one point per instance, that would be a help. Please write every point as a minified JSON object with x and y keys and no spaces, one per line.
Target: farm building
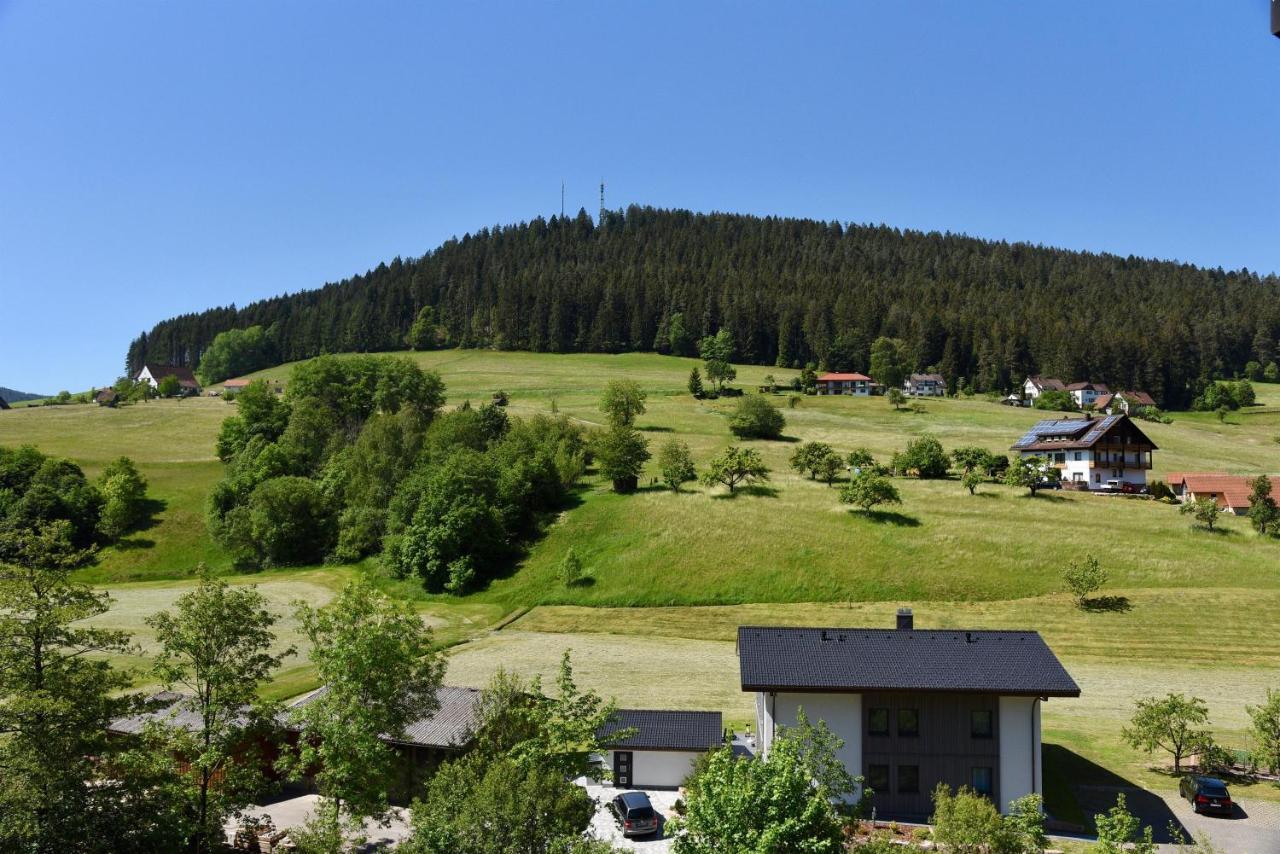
{"x":1095,"y":453}
{"x":106,"y":397}
{"x":836,"y":383}
{"x":235,"y":385}
{"x":1086,"y":394}
{"x":1230,"y":491}
{"x":914,"y":708}
{"x":154,"y":373}
{"x":925,"y":385}
{"x":1123,"y":401}
{"x":665,"y":744}
{"x":1033,"y":387}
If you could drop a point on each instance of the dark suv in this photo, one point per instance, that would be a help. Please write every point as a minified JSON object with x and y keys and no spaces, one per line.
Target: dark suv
{"x":1206,"y":794}
{"x":635,"y":814}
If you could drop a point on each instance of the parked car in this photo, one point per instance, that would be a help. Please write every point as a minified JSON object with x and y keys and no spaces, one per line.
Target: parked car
{"x":635,"y":814}
{"x":1206,"y":795}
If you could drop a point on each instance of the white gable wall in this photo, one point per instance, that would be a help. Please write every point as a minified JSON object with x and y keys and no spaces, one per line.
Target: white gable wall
{"x":1020,"y":754}
{"x":842,"y":714}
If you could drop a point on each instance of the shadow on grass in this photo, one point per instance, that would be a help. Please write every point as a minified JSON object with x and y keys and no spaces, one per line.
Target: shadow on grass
{"x":987,"y":494}
{"x":149,"y":517}
{"x":1077,"y":789}
{"x":654,"y":428}
{"x":756,"y":491}
{"x":1217,"y":532}
{"x":129,"y":544}
{"x":887,"y":517}
{"x":583,"y":582}
{"x":1107,"y":603}
{"x":1047,"y":495}
{"x":788,"y":439}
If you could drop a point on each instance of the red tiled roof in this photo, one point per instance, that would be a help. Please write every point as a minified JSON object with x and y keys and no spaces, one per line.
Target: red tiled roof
{"x":833,"y":377}
{"x":1047,"y":383}
{"x":1102,"y":401}
{"x":236,"y":383}
{"x":1233,"y":489}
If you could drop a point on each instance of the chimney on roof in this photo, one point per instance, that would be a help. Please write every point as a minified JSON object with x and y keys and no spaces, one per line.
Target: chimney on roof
{"x":906,"y":622}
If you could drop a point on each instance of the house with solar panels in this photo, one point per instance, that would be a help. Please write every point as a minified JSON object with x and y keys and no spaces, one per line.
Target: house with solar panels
{"x":1109,"y":454}
{"x":914,"y":707}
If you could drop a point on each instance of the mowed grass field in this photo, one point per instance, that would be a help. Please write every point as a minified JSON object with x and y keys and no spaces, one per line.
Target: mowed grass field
{"x":673,"y":575}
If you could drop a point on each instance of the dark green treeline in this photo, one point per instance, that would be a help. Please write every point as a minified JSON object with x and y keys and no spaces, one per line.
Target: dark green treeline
{"x":790,"y":291}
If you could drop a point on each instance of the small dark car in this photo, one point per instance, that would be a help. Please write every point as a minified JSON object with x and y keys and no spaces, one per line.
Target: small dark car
{"x":635,"y":814}
{"x":1206,"y":795}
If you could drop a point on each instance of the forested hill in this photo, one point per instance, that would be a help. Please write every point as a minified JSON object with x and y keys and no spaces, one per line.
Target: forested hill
{"x":790,"y":291}
{"x":13,"y":396}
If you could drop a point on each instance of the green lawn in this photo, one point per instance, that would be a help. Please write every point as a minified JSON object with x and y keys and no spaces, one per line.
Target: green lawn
{"x":1203,"y":609}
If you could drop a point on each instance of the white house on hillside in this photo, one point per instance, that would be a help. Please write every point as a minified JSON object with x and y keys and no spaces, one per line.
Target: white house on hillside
{"x":1096,"y":453}
{"x":914,"y":708}
{"x":1033,"y":387}
{"x":925,"y":385}
{"x":1084,"y":394}
{"x":154,"y":373}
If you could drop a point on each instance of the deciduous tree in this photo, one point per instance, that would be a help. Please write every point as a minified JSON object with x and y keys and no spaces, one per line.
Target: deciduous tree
{"x":676,"y":464}
{"x":1204,"y":510}
{"x":1174,"y":724}
{"x":1083,"y":578}
{"x":622,"y":453}
{"x":622,"y":401}
{"x":735,"y":466}
{"x":379,"y":670}
{"x":1264,"y":514}
{"x":755,"y":417}
{"x":217,"y":648}
{"x":1265,"y":728}
{"x":868,"y":489}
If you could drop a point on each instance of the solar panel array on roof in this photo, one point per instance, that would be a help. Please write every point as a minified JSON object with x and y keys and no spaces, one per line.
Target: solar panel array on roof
{"x":1052,"y":427}
{"x":1100,"y":427}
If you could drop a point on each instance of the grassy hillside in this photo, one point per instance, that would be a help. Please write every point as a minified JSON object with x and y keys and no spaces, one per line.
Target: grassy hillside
{"x":1200,"y":612}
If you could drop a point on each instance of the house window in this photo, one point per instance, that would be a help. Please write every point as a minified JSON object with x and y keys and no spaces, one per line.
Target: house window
{"x":908,"y":723}
{"x":878,"y":722}
{"x":980,"y":780}
{"x":1097,"y":478}
{"x":908,"y":779}
{"x":981,"y":723}
{"x":878,"y":778}
{"x":1077,"y":456}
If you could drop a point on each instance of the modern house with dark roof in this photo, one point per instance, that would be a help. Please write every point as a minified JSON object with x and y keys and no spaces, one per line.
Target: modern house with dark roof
{"x":154,"y":373}
{"x":914,"y":707}
{"x":662,"y":747}
{"x":1094,"y":453}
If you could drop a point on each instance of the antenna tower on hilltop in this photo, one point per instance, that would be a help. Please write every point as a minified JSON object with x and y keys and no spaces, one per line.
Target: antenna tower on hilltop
{"x":601,"y":201}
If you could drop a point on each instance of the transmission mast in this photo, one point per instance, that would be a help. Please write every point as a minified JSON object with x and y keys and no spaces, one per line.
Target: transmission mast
{"x":602,"y":201}
{"x":562,"y":198}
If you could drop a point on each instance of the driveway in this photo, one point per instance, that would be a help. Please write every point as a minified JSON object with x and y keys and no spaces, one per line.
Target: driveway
{"x":290,"y":812}
{"x":605,"y":826}
{"x":1254,"y":828}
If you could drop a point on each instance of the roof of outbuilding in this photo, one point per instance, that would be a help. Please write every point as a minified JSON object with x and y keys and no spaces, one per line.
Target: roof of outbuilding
{"x":1233,"y":488}
{"x":451,"y":725}
{"x":166,"y":707}
{"x":845,"y":660}
{"x":663,"y":729}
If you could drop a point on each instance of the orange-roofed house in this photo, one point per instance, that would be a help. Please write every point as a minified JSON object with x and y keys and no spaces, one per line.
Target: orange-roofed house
{"x":1230,"y":491}
{"x":836,"y":383}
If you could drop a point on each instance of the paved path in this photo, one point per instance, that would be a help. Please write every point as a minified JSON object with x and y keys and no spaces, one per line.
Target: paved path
{"x":1254,"y":828}
{"x":295,"y":811}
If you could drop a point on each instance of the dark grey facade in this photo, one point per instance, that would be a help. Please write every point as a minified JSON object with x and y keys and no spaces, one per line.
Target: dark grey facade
{"x":955,"y":740}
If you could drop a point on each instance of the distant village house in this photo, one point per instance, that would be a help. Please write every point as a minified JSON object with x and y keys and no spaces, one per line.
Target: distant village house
{"x":837,"y":383}
{"x":1127,"y":402}
{"x":1108,"y":453}
{"x":1086,"y":394}
{"x":153,"y":374}
{"x":925,"y":385}
{"x":1033,"y":387}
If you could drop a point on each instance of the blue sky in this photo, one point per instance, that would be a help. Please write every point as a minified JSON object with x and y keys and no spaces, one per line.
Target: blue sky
{"x":159,"y":158}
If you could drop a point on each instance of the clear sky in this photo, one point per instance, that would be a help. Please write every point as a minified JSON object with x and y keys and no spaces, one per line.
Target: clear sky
{"x":163,"y":157}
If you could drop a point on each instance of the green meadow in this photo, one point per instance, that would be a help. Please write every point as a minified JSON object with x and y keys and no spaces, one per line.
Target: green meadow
{"x":670,"y":576}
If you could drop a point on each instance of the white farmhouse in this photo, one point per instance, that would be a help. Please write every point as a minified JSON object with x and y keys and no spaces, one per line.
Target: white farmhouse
{"x":925,"y":385}
{"x":914,"y":707}
{"x":1033,"y":387}
{"x":152,"y":374}
{"x":1086,"y":394}
{"x":1108,"y":453}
